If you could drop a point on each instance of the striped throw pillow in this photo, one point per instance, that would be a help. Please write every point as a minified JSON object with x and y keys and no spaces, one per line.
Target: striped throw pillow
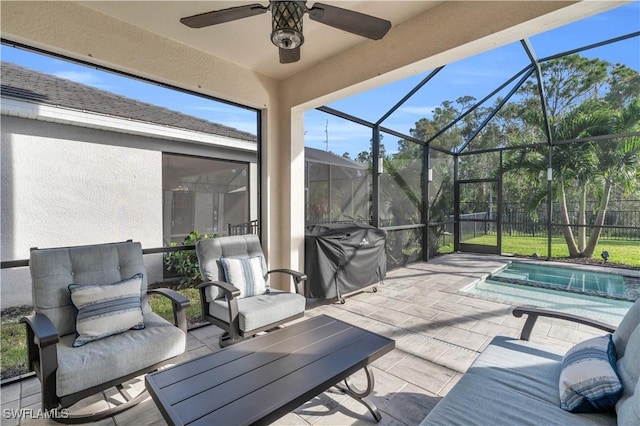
{"x":588,"y":380}
{"x":106,"y":309}
{"x":245,"y":274}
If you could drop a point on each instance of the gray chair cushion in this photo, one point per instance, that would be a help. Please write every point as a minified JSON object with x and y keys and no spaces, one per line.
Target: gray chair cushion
{"x":209,"y":251}
{"x":511,"y":382}
{"x":52,"y":270}
{"x":260,"y":311}
{"x":116,"y":356}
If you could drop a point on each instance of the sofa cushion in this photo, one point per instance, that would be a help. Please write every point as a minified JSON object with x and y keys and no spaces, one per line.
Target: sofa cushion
{"x":628,"y":407}
{"x":511,"y":382}
{"x":474,"y":401}
{"x":116,"y":356}
{"x":260,"y":311}
{"x":107,"y":309}
{"x":521,"y":366}
{"x":588,"y":381}
{"x":626,"y":327}
{"x":245,"y":273}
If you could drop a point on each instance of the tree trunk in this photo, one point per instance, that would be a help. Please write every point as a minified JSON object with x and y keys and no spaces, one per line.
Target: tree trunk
{"x":597,"y":226}
{"x":564,"y":218}
{"x":582,"y":219}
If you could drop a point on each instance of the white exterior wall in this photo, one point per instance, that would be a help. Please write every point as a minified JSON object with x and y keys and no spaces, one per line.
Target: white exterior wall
{"x":62,"y":191}
{"x":64,"y":185}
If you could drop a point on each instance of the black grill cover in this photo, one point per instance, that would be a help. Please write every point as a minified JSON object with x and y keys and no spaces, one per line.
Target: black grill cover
{"x":341,"y":258}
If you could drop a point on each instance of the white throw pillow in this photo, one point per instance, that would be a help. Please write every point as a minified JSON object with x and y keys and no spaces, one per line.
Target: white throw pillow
{"x":588,"y":380}
{"x":245,"y":274}
{"x":106,"y":309}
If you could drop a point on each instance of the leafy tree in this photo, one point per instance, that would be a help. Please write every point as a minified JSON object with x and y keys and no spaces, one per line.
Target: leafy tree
{"x":580,"y":106}
{"x":569,"y":81}
{"x":624,"y":86}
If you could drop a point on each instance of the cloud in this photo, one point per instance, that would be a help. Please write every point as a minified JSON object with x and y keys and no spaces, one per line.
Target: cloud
{"x":225,"y":115}
{"x":245,"y":126}
{"x":88,"y":78}
{"x":422,"y":111}
{"x":78,"y":77}
{"x":343,"y":136}
{"x":337,"y":131}
{"x":212,"y":108}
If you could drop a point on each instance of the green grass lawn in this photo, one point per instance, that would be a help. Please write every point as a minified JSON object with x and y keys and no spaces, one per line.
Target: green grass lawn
{"x":623,"y":252}
{"x":14,"y":341}
{"x":162,"y":306}
{"x":14,"y":344}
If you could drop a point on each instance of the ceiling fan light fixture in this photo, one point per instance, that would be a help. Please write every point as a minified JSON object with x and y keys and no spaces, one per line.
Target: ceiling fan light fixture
{"x":287,"y":23}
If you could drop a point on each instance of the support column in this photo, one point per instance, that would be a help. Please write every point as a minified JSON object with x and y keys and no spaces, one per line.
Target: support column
{"x":283,"y":196}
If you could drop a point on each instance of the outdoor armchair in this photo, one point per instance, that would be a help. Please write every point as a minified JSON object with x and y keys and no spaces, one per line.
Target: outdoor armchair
{"x":93,"y":327}
{"x":239,"y":299}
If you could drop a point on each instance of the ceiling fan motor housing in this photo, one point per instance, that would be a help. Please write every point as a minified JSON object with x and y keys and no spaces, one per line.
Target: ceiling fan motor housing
{"x":287,"y":23}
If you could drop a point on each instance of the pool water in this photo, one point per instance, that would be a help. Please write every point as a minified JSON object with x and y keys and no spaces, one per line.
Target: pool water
{"x":569,"y":280}
{"x":608,"y":310}
{"x":597,"y":295}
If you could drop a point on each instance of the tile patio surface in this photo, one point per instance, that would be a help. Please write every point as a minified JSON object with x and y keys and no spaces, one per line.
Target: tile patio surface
{"x":439,"y":331}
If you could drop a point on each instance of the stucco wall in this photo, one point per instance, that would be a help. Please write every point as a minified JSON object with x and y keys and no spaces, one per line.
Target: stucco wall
{"x":65,"y":185}
{"x":61,"y":188}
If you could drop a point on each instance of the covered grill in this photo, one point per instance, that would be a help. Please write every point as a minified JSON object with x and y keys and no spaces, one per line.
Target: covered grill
{"x":342,"y":258}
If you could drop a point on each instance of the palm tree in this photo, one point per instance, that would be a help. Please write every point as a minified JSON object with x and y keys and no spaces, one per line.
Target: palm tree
{"x":617,"y":163}
{"x":591,"y":167}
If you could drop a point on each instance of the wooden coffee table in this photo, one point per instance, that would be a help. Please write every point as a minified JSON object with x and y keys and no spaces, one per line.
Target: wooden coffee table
{"x":261,"y":379}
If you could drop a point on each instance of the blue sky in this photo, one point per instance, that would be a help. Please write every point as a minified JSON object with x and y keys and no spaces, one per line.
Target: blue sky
{"x":476,"y":76}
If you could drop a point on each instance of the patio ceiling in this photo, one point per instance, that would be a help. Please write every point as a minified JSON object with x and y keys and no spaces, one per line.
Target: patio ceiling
{"x":247,"y":42}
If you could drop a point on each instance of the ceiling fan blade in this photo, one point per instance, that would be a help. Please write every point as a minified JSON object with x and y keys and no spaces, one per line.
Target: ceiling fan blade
{"x":350,"y":21}
{"x":224,"y":15}
{"x":288,"y":56}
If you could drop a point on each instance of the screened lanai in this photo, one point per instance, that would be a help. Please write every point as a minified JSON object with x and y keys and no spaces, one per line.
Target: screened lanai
{"x":530,"y":149}
{"x":462,"y":171}
{"x":336,"y":188}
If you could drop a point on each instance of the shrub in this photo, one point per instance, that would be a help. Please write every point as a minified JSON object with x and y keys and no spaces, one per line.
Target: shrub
{"x":185,"y":262}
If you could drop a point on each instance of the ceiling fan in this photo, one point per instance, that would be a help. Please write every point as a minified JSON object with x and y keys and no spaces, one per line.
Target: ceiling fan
{"x":287,"y":17}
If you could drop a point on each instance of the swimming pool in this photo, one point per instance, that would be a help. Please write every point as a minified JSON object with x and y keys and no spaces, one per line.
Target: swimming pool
{"x":598,"y":295}
{"x":608,"y":285}
{"x":609,"y":311}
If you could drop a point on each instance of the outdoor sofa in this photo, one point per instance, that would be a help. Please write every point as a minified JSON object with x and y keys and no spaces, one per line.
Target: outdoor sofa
{"x":516,"y":382}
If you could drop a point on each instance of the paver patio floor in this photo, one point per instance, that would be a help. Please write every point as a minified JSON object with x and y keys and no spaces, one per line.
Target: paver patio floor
{"x":439,"y":331}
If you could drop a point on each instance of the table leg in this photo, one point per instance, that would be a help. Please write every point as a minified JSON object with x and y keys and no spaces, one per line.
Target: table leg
{"x":360,"y":395}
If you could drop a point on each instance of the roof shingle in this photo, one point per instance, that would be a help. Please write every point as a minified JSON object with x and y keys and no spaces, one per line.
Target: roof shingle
{"x":33,"y":86}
